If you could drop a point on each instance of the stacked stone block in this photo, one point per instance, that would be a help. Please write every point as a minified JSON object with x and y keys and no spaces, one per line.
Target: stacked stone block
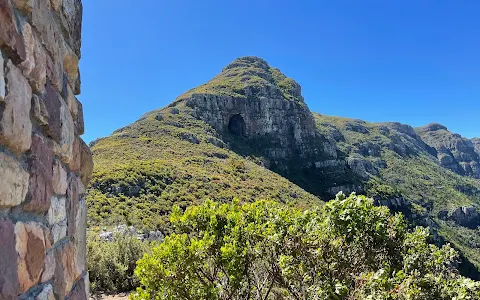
{"x":44,"y":164}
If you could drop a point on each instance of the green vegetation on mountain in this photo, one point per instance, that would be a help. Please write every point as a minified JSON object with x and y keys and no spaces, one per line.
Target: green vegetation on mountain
{"x":402,"y":166}
{"x":171,"y":158}
{"x":346,"y":249}
{"x":247,"y":72}
{"x":247,"y":134}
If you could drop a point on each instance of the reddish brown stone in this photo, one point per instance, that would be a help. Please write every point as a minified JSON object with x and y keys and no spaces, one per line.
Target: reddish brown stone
{"x":30,"y":247}
{"x":9,"y":286}
{"x":76,"y":162}
{"x":9,"y":35}
{"x":82,"y":161}
{"x":35,"y":255}
{"x":65,"y":270}
{"x":41,"y":174}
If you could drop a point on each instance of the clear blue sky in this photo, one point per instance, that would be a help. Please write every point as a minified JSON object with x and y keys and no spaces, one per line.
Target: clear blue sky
{"x":410,"y":61}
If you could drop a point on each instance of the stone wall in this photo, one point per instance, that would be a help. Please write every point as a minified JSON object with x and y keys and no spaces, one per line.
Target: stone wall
{"x":44,"y":165}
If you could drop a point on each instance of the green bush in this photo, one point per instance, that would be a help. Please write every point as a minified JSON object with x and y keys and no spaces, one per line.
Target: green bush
{"x":346,"y":249}
{"x":111,"y":263}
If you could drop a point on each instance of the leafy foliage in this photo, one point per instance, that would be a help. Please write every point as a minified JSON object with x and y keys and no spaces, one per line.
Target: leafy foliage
{"x":111,"y":263}
{"x":347,"y":249}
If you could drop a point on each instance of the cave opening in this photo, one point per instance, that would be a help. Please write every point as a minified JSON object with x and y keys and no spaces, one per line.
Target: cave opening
{"x":236,"y":125}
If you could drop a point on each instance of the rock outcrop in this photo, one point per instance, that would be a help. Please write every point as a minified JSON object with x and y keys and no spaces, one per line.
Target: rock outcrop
{"x":454,"y":152}
{"x":254,"y":106}
{"x":252,"y":100}
{"x":43,"y":165}
{"x":463,"y":216}
{"x":476,"y":144}
{"x":466,"y":216}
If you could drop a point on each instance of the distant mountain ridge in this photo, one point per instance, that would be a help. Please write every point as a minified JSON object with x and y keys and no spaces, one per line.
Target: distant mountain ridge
{"x":248,"y":133}
{"x":454,"y":152}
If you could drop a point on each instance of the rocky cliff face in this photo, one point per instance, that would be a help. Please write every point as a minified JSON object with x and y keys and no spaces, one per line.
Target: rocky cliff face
{"x":249,"y":99}
{"x":44,"y":164}
{"x":476,"y":144}
{"x":454,"y":152}
{"x":259,"y":111}
{"x":463,"y":216}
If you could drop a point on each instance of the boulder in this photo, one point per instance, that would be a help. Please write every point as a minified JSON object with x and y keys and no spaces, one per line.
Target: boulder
{"x":466,"y":216}
{"x":106,"y":236}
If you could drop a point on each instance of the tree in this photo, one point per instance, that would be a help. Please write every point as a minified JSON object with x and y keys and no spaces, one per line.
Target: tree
{"x":346,"y":249}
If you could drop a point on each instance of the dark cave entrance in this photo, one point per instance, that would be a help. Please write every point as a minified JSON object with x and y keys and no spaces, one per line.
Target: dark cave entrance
{"x":236,"y":125}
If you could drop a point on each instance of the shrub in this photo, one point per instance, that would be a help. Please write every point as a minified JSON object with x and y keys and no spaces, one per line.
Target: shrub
{"x":111,"y":264}
{"x":347,"y":249}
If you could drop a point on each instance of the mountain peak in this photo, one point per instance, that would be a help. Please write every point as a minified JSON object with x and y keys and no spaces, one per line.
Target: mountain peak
{"x":433,"y":127}
{"x":247,"y":76}
{"x":248,"y":62}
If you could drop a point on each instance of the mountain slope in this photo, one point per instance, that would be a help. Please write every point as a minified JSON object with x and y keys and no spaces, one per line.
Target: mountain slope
{"x":453,"y":151}
{"x":247,"y":133}
{"x":170,"y":158}
{"x":396,"y":162}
